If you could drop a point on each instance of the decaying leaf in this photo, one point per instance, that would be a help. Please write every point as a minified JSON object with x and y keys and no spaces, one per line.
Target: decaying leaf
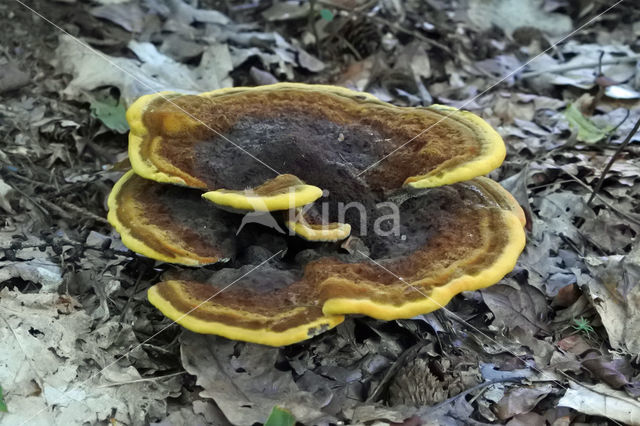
{"x":47,"y":374}
{"x":613,"y":372}
{"x":520,"y":401}
{"x":601,"y":400}
{"x":242,"y":380}
{"x":517,"y":305}
{"x":151,"y":72}
{"x":612,"y":286}
{"x":587,"y":131}
{"x":513,"y":14}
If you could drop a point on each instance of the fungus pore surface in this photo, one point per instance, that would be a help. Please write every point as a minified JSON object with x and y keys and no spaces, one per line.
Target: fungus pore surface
{"x":423,"y":227}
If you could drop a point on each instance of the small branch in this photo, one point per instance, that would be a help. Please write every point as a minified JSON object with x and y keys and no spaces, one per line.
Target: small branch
{"x":399,"y":362}
{"x":483,"y":385}
{"x":143,"y":270}
{"x":84,"y":212}
{"x":615,"y":129}
{"x":145,"y":379}
{"x":312,"y":25}
{"x":28,"y":197}
{"x":567,"y":67}
{"x":390,"y":24}
{"x":614,"y":157}
{"x":416,"y":34}
{"x":622,"y":214}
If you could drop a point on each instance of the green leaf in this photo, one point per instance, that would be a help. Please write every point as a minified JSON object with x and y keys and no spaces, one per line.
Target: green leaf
{"x":588,"y":132}
{"x":3,"y":405}
{"x":280,"y":417}
{"x":111,"y":113}
{"x":326,"y":14}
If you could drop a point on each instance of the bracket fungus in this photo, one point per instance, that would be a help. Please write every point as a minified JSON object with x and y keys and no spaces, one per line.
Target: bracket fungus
{"x":199,"y":160}
{"x":169,"y":223}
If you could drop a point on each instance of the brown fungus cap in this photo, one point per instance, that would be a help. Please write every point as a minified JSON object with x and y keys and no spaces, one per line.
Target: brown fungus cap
{"x":463,"y":237}
{"x":170,"y":223}
{"x":235,"y":138}
{"x":270,"y":306}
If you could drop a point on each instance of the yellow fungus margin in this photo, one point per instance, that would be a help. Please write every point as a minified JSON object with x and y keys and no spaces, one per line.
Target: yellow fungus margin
{"x":249,"y":200}
{"x":439,"y":296}
{"x":138,"y":131}
{"x":322,"y":233}
{"x":493,"y":153}
{"x":261,"y":336}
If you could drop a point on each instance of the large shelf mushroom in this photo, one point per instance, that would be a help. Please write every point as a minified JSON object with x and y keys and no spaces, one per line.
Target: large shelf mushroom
{"x":463,"y":233}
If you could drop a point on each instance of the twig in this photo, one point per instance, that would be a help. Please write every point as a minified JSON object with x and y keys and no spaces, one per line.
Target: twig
{"x":84,"y":212}
{"x":390,"y":24}
{"x":31,"y":181}
{"x":416,"y":34}
{"x":144,"y":379}
{"x":483,"y":385}
{"x":614,"y":157}
{"x":28,"y":197}
{"x":605,"y":202}
{"x":133,"y":293}
{"x":600,"y":63}
{"x":351,"y":48}
{"x":314,"y":30}
{"x":533,"y":188}
{"x":399,"y":362}
{"x":567,"y":67}
{"x":613,"y":131}
{"x":571,"y":379}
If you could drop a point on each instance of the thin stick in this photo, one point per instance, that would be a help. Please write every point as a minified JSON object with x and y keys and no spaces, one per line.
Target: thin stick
{"x":144,"y":379}
{"x":383,"y":21}
{"x":481,"y":386}
{"x":571,"y":379}
{"x":614,"y":157}
{"x":143,"y":269}
{"x":314,"y":30}
{"x":567,"y":67}
{"x":416,"y":34}
{"x":399,"y":362}
{"x":84,"y":212}
{"x":615,"y":129}
{"x":622,"y":214}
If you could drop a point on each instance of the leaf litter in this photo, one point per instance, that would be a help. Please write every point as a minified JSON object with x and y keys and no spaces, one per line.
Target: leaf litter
{"x":82,"y":345}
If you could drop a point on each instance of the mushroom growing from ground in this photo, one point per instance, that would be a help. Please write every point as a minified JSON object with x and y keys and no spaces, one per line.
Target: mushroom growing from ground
{"x":302,"y":158}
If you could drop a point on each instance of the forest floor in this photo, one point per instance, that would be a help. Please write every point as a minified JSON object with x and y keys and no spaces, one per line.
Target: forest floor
{"x":556,"y":342}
